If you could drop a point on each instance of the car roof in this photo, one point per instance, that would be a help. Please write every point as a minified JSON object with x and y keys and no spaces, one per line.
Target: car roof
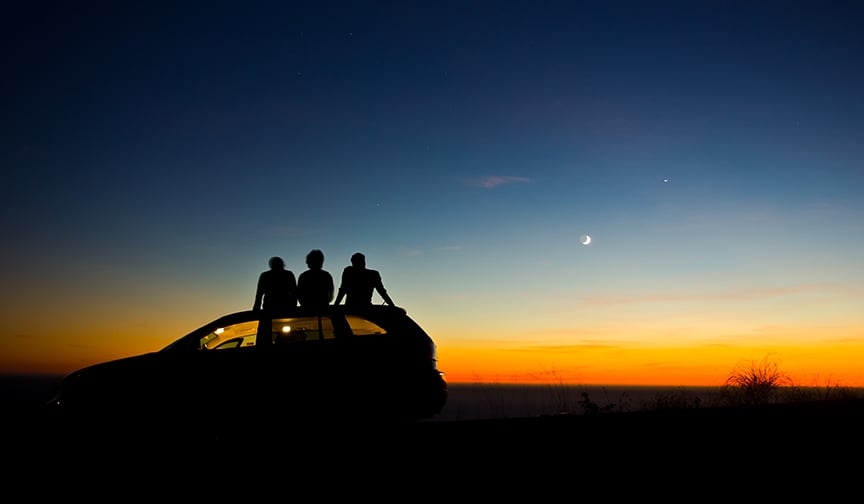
{"x":375,"y":313}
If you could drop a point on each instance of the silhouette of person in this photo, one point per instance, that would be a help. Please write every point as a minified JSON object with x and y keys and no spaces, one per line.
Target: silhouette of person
{"x":315,"y":285}
{"x":359,"y":283}
{"x":277,"y":288}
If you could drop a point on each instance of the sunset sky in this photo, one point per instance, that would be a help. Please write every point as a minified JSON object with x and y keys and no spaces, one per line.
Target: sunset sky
{"x":155,"y":156}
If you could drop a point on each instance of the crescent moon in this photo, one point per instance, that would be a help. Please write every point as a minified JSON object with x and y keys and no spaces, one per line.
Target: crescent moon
{"x":585,"y":240}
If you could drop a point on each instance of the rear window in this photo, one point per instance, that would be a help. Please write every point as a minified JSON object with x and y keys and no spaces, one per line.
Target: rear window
{"x":362,"y":327}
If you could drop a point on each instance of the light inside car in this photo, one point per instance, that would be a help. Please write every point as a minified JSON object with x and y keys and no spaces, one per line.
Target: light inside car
{"x":286,"y":329}
{"x":220,"y":330}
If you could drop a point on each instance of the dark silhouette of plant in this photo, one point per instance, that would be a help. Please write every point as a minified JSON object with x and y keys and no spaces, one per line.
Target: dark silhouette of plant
{"x":561,"y":395}
{"x":828,"y":391}
{"x":754,"y":382}
{"x":678,"y":400}
{"x":588,"y":406}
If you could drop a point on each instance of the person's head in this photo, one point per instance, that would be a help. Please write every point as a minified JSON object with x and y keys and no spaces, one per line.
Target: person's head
{"x":358,"y":260}
{"x":276,"y":263}
{"x":315,"y":259}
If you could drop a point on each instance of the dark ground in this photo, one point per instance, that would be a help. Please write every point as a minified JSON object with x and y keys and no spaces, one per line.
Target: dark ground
{"x":781,"y":446}
{"x":821,"y":426}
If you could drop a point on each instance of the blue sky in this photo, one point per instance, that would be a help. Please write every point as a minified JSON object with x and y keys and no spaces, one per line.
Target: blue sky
{"x":156,"y":155}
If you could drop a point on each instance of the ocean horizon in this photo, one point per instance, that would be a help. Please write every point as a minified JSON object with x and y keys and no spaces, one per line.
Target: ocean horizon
{"x":481,"y":401}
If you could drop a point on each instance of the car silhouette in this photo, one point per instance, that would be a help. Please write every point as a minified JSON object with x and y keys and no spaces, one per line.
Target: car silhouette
{"x":255,"y":368}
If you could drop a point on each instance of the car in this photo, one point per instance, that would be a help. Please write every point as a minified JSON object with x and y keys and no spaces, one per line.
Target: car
{"x":255,"y":370}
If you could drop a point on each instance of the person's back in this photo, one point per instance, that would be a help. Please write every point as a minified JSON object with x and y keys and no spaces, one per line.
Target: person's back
{"x":315,"y":285}
{"x":277,"y":288}
{"x":359,"y":284}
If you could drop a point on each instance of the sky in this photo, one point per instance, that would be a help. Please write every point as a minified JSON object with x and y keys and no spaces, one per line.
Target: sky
{"x":155,"y":155}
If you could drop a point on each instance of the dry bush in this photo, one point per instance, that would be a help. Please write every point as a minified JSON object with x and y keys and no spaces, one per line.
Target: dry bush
{"x":754,"y":382}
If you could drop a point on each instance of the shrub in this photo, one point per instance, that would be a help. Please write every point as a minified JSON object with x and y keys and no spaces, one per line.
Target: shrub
{"x":754,"y":382}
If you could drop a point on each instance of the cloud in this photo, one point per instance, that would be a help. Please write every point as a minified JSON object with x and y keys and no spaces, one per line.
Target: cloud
{"x":573,"y":348}
{"x":732,"y":295}
{"x":493,"y":181}
{"x":410,"y":251}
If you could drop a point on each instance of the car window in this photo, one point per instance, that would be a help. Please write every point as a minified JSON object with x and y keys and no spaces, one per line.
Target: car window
{"x":297,"y":329}
{"x":231,"y":336}
{"x":363,"y":327}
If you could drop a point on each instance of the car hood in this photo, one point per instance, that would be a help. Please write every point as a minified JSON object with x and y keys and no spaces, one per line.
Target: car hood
{"x":131,"y":364}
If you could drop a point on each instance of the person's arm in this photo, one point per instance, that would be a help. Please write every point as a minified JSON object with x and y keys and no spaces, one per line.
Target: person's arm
{"x":294,"y":290}
{"x":330,"y":288}
{"x":379,"y":286}
{"x":385,"y":296}
{"x":259,"y":293}
{"x":301,"y":293}
{"x":341,"y":293}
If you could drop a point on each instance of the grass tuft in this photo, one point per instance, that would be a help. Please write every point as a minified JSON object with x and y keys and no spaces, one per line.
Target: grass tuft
{"x":755,"y":382}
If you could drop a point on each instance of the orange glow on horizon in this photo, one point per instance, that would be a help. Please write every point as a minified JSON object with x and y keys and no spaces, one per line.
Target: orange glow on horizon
{"x":838,"y":365}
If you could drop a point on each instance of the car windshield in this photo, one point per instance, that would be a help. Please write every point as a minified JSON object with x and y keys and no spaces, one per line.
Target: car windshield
{"x":231,"y":336}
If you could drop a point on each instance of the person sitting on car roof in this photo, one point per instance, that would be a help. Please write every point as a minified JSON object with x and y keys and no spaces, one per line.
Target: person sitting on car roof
{"x":277,"y":287}
{"x":315,"y":285}
{"x":359,"y":283}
